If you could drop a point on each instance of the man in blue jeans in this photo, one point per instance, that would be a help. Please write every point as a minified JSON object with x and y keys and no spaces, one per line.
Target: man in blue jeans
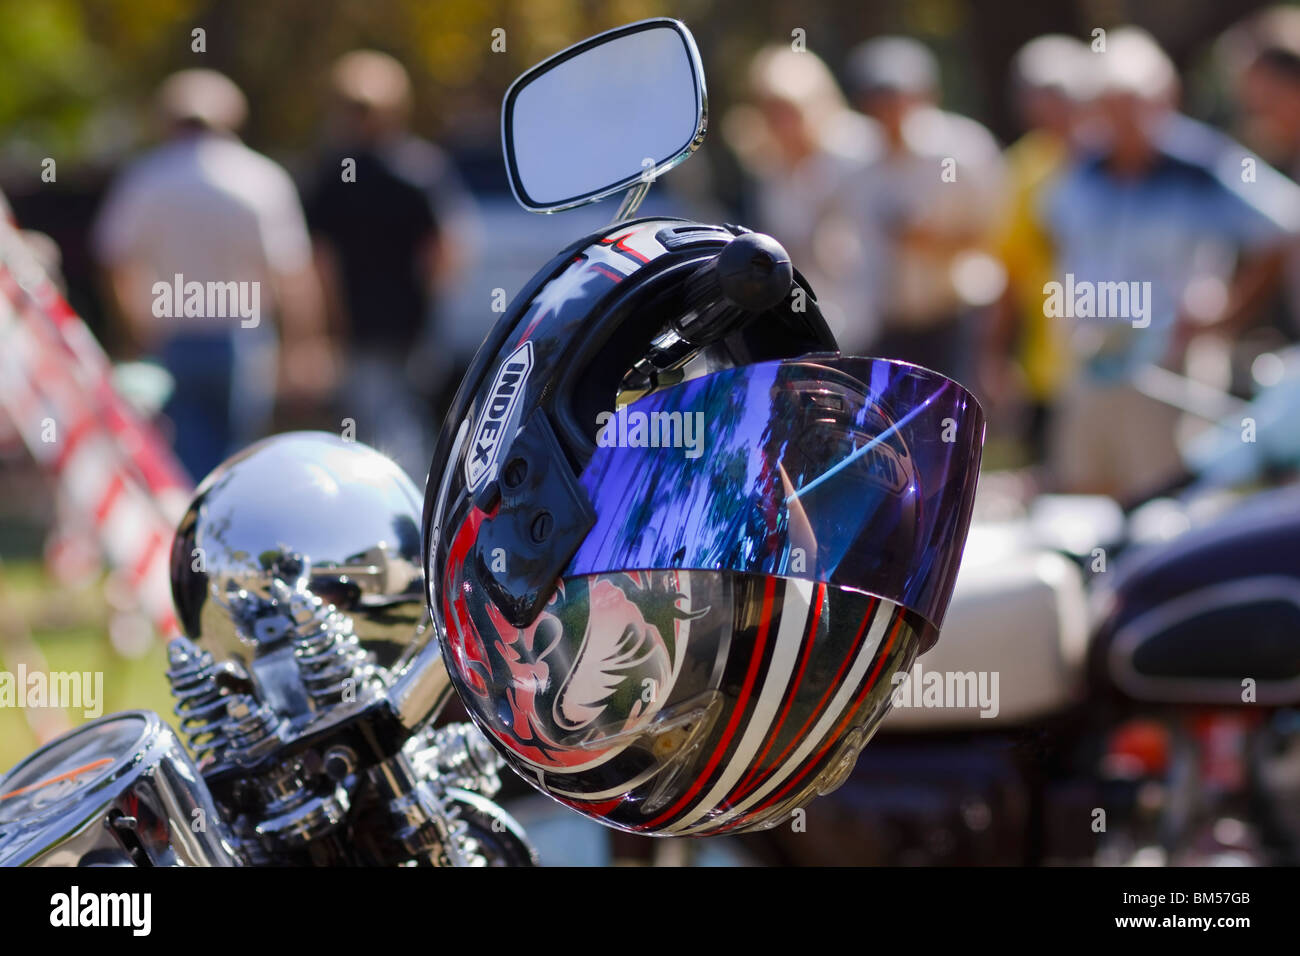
{"x":199,"y":238}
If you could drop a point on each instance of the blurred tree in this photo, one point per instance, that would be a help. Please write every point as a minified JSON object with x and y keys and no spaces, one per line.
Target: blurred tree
{"x":67,"y":61}
{"x":79,"y":73}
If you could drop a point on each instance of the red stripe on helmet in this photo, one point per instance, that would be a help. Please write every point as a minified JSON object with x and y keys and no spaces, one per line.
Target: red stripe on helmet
{"x":834,"y":737}
{"x":755,"y":662}
{"x":602,"y":809}
{"x":745,"y":785}
{"x":821,"y":704}
{"x":620,"y":243}
{"x":462,"y":637}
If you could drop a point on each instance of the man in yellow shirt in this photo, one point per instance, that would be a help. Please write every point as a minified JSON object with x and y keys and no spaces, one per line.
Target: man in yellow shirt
{"x":1022,"y":343}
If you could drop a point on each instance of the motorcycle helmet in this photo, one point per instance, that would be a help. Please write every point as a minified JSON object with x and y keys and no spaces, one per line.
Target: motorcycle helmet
{"x":677,"y":546}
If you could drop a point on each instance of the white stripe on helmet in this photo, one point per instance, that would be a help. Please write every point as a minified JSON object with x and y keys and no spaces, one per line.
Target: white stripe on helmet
{"x":884,"y":615}
{"x":795,"y":604}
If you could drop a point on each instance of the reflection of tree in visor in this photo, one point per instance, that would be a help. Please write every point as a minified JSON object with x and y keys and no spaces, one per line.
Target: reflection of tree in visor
{"x":839,"y":456}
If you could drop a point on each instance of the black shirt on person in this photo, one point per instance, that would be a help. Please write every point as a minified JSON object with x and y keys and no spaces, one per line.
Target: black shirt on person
{"x":379,"y":226}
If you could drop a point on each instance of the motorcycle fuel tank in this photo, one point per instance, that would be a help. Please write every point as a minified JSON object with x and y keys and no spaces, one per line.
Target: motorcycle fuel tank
{"x":1212,"y":616}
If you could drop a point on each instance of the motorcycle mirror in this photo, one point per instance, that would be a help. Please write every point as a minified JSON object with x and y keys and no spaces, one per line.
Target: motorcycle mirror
{"x":611,"y":113}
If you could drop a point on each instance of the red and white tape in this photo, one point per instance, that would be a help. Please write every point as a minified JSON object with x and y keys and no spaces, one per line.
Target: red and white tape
{"x":114,"y":472}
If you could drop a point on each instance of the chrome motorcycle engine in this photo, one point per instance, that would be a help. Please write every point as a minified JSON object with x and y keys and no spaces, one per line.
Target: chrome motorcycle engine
{"x":292,"y":684}
{"x":306,"y":687}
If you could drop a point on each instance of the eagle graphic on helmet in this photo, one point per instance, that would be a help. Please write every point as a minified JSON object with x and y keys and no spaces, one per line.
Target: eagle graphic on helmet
{"x":589,"y":672}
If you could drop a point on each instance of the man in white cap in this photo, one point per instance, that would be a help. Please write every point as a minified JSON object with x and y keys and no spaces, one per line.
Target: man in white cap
{"x":924,"y":209}
{"x":1158,"y":235}
{"x":199,"y":238}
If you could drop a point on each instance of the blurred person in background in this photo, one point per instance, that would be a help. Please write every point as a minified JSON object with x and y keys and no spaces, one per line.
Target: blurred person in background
{"x":205,"y":207}
{"x":1156,"y":202}
{"x":802,"y":144}
{"x":1264,"y":55}
{"x":924,"y":209}
{"x":389,"y":217}
{"x":1025,"y":352}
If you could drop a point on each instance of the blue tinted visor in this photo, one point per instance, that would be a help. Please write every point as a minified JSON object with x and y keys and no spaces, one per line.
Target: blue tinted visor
{"x":856,"y":472}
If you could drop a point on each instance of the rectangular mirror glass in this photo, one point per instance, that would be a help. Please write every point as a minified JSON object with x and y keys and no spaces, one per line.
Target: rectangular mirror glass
{"x":599,"y":117}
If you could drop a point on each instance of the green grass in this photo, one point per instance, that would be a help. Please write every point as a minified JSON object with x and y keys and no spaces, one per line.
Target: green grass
{"x":70,"y":627}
